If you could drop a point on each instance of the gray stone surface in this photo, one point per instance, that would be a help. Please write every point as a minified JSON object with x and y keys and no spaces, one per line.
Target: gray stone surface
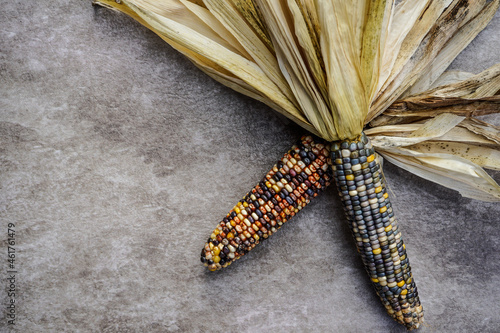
{"x":118,"y":157}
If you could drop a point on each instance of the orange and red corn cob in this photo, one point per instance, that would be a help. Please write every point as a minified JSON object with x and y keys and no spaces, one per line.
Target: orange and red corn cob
{"x":288,"y":187}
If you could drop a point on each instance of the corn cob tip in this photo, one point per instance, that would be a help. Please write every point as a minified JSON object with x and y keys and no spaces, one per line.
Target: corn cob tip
{"x":289,"y":186}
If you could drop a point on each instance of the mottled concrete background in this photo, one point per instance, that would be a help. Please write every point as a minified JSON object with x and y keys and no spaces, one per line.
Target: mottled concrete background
{"x":118,"y":158}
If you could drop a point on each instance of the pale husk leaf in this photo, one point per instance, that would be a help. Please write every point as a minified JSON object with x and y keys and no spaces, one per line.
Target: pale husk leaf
{"x":485,"y":157}
{"x":450,"y":77}
{"x":294,"y":66}
{"x":407,"y":12}
{"x":433,"y":128}
{"x":225,"y":12}
{"x":484,"y":84}
{"x":413,"y":40}
{"x":478,"y":16}
{"x":350,"y":41}
{"x":448,"y":170}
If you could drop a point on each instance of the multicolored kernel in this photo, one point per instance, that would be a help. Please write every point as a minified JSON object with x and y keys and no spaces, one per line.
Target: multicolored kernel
{"x":362,"y":189}
{"x":298,"y":177}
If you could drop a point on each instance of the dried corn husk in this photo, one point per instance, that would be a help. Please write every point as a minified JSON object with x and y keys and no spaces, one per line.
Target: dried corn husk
{"x":334,"y":66}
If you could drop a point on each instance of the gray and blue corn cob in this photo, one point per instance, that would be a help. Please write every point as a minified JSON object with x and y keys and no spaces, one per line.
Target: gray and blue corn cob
{"x":358,"y":175}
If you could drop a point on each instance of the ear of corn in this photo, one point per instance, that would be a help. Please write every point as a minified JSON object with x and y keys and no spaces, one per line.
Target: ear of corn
{"x":362,"y":189}
{"x":288,"y":187}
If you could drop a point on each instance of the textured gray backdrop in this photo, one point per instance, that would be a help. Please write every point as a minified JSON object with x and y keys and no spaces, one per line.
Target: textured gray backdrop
{"x":118,"y":158}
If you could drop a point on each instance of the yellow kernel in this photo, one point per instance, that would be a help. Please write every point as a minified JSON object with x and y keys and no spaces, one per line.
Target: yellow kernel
{"x":216,"y":232}
{"x":213,"y":236}
{"x":233,"y":223}
{"x":276,"y":188}
{"x":216,"y":251}
{"x":236,"y":209}
{"x":378,"y":189}
{"x":377,"y":251}
{"x":370,"y":158}
{"x":383,"y":209}
{"x":216,"y":259}
{"x":349,"y":177}
{"x":212,"y":268}
{"x":404,"y":291}
{"x":401,"y":283}
{"x":388,"y":228}
{"x":386,"y":195}
{"x":256,"y":237}
{"x":375,"y":280}
{"x":211,"y":245}
{"x":268,"y":184}
{"x":408,"y":281}
{"x":245,"y":204}
{"x":404,"y":246}
{"x":230,"y":235}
